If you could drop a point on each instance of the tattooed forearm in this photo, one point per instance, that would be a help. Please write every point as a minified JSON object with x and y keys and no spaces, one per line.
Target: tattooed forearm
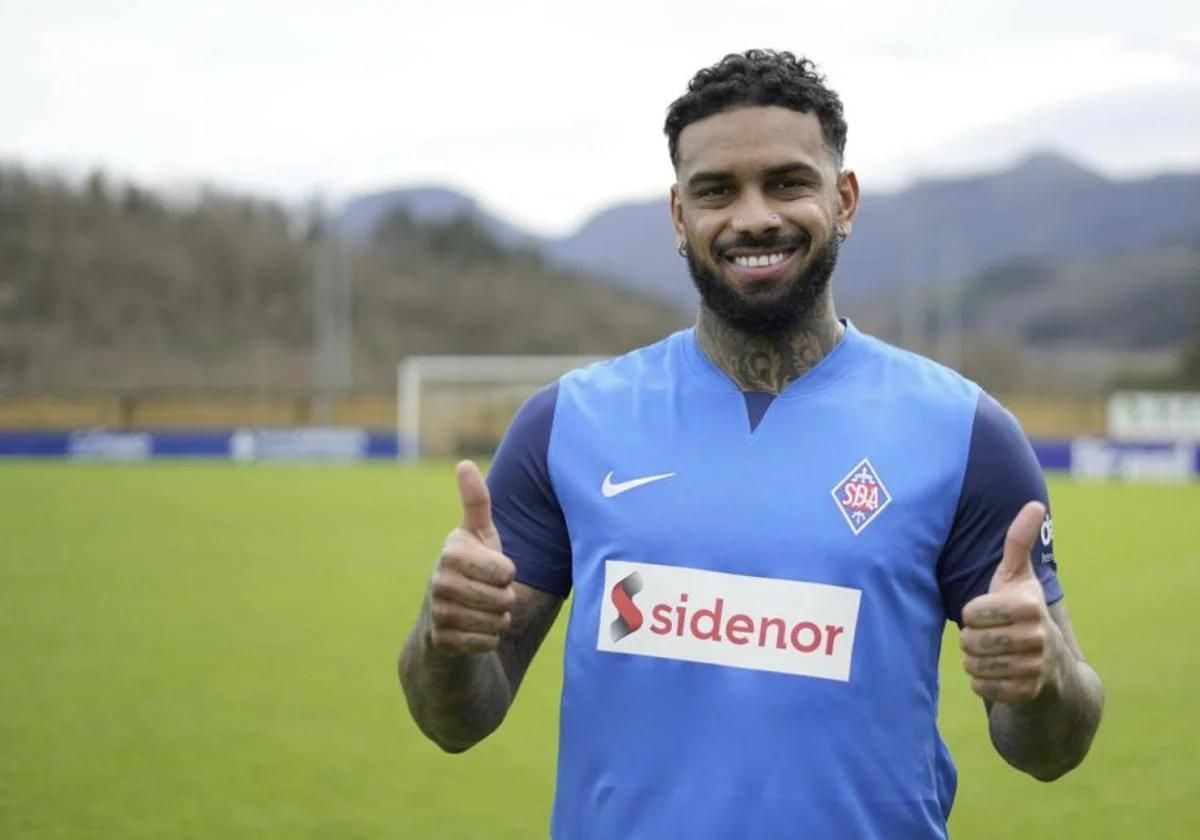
{"x":533,"y":616}
{"x":458,"y":700}
{"x":1051,"y":735}
{"x":769,"y":363}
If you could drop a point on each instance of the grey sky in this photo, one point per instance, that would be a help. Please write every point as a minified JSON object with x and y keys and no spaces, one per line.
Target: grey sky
{"x":548,"y":111}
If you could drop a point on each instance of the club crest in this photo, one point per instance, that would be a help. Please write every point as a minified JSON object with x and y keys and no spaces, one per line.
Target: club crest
{"x":861,"y":496}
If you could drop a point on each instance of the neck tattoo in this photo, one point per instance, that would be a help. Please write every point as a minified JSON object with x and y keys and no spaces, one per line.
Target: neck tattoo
{"x":768,"y":363}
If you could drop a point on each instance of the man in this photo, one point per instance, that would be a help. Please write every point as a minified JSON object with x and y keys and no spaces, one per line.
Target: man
{"x":766,"y":521}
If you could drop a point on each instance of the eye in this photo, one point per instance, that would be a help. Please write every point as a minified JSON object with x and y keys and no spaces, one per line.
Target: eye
{"x":713,"y":191}
{"x":785,"y":184}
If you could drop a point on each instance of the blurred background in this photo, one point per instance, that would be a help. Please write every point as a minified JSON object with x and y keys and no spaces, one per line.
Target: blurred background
{"x":366,"y":231}
{"x":234,"y":216}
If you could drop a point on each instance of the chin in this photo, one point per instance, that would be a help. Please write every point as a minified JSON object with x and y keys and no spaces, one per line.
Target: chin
{"x":764,"y":306}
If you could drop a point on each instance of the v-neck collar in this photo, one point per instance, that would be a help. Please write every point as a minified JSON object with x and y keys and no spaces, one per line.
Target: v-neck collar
{"x":831,"y":368}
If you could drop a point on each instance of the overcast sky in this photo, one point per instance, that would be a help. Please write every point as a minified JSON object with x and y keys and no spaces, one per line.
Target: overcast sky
{"x":547,"y":112}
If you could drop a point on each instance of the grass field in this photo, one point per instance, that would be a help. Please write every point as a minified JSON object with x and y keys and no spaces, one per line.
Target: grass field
{"x":207,"y":651}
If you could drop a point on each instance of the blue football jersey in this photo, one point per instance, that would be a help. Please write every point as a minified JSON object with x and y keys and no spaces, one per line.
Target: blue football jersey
{"x":760,"y":585}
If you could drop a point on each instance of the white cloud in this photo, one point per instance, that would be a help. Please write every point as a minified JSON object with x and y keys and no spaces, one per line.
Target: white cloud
{"x":547,"y":111}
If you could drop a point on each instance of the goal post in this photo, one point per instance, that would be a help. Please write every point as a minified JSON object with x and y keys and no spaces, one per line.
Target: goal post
{"x":442,"y":401}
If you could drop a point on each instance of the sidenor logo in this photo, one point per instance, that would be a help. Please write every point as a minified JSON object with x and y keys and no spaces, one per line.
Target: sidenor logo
{"x":740,"y":621}
{"x":629,"y":617}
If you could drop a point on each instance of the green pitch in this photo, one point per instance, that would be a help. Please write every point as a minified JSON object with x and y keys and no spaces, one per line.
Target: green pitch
{"x":208,"y":651}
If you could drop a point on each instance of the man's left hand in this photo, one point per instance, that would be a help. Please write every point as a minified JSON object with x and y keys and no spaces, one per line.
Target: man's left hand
{"x":1012,"y":648}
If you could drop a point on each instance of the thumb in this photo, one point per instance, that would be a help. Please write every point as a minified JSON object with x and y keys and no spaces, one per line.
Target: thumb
{"x":1024,"y":531}
{"x":476,"y":503}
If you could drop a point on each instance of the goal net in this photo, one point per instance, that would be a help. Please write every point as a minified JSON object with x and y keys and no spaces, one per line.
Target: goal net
{"x":449,"y":406}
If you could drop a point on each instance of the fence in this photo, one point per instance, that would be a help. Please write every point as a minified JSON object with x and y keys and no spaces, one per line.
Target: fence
{"x":1051,"y":417}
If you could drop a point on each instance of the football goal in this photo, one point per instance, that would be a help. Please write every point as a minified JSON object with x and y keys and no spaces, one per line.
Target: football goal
{"x":448,"y":406}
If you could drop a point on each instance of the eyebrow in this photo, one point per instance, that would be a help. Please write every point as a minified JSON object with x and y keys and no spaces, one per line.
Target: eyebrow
{"x":793,"y":168}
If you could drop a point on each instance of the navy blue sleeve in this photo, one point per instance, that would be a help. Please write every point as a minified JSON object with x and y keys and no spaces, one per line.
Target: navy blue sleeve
{"x":533,"y":529}
{"x":1002,"y":474}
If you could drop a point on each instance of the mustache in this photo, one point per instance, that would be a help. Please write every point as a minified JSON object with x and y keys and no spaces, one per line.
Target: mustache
{"x":774,"y":242}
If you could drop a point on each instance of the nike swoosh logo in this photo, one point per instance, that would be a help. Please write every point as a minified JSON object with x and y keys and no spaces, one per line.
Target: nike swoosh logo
{"x":610,"y":488}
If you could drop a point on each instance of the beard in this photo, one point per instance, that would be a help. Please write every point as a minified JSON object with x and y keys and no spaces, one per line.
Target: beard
{"x":780,"y":312}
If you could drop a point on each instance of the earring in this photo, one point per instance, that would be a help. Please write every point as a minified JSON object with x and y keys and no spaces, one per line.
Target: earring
{"x":682,"y":249}
{"x":841,"y":234}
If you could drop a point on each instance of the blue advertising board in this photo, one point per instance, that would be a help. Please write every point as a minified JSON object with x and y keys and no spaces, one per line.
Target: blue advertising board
{"x":299,"y":444}
{"x":1084,"y":458}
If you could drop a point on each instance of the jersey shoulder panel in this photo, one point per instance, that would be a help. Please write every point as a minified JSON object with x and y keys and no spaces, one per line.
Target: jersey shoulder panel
{"x":1002,"y":474}
{"x":525,"y":506}
{"x":527,"y":478}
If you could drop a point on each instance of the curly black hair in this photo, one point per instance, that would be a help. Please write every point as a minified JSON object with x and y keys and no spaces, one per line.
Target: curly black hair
{"x":758,"y":77}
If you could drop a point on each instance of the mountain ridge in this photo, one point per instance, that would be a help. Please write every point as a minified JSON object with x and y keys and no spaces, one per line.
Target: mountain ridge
{"x":933,"y":231}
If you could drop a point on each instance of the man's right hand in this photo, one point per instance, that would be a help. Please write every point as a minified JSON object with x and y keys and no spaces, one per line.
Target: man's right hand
{"x":471,"y":591}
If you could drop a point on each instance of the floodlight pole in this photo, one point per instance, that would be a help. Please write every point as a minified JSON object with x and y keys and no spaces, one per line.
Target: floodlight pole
{"x":408,"y":410}
{"x":332,"y":327}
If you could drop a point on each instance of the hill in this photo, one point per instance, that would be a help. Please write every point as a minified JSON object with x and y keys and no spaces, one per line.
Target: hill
{"x":1145,"y":299}
{"x":359,"y":217}
{"x":107,"y":285}
{"x":1063,"y":324}
{"x":1046,"y":206}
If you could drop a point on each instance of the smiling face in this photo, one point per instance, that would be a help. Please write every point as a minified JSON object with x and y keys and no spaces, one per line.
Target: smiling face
{"x":759,"y":202}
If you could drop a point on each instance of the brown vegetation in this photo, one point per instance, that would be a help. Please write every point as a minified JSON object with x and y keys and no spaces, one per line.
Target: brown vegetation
{"x":115,"y":287}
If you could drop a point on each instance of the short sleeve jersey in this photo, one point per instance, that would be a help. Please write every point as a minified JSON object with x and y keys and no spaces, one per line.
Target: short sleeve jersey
{"x":760,"y":585}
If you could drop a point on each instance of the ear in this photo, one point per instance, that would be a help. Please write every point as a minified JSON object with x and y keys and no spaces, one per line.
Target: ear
{"x":847,"y":194}
{"x":677,"y":217}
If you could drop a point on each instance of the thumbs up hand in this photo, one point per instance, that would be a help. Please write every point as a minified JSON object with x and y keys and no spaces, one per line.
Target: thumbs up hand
{"x":1012,"y":648}
{"x":470,"y":594}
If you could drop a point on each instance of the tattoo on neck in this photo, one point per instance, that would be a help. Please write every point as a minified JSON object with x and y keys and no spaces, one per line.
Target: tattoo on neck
{"x":768,"y":363}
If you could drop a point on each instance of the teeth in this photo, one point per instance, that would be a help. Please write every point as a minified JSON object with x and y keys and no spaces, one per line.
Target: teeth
{"x":760,"y":260}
